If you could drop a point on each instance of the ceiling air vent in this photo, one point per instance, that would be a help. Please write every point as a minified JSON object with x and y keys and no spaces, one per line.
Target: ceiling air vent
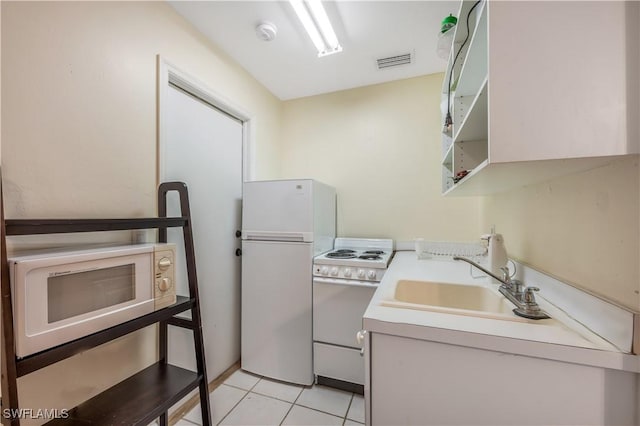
{"x":394,"y":61}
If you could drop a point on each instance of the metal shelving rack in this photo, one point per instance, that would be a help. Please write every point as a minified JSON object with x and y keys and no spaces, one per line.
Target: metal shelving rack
{"x":148,"y":394}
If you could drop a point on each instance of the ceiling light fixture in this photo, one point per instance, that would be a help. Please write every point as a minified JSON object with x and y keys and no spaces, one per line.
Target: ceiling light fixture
{"x":316,"y":22}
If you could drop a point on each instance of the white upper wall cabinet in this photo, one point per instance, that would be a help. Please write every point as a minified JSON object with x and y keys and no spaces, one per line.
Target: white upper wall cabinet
{"x":540,"y":90}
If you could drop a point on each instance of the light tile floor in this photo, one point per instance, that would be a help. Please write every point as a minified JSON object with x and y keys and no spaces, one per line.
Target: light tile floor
{"x":247,"y":399}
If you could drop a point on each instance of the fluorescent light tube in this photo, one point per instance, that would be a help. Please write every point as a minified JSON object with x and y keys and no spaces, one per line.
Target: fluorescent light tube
{"x":322,"y":21}
{"x":316,"y":22}
{"x":307,"y":22}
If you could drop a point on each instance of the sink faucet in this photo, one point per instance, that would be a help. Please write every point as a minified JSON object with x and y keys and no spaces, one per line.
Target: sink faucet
{"x":525,"y":301}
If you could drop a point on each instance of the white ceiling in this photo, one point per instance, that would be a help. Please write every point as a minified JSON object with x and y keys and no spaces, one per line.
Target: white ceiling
{"x":289,"y":66}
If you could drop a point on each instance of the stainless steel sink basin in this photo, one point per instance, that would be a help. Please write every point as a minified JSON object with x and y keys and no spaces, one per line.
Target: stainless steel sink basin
{"x":452,"y":298}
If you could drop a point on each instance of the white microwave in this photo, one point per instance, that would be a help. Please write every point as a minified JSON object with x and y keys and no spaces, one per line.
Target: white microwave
{"x":61,"y":296}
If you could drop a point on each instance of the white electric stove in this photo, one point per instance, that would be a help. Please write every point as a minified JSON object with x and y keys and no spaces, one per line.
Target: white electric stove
{"x":344,"y":281}
{"x":363,"y":259}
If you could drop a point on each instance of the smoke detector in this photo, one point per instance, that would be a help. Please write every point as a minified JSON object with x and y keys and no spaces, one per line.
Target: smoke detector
{"x":266,"y":31}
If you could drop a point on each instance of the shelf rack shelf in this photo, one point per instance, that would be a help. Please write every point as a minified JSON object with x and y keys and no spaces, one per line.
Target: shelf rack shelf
{"x":63,"y":226}
{"x":146,"y":395}
{"x":157,"y":386}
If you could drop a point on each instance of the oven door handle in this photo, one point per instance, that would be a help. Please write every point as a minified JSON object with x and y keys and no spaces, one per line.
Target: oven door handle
{"x":340,"y":281}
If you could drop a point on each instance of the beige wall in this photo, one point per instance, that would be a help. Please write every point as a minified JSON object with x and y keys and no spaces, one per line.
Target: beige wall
{"x":380,"y":147}
{"x":79,"y":135}
{"x":583,"y":228}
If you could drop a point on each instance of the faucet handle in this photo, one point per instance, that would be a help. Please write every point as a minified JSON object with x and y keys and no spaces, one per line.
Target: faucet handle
{"x":517,"y":286}
{"x":505,"y":274}
{"x":529,"y":296}
{"x":530,"y":308}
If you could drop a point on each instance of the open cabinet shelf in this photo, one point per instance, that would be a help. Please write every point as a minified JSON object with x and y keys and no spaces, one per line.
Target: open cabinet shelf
{"x":447,"y":161}
{"x":148,"y":394}
{"x":455,"y":70}
{"x":519,"y":109}
{"x":467,"y":148}
{"x":471,"y":112}
{"x":474,"y":66}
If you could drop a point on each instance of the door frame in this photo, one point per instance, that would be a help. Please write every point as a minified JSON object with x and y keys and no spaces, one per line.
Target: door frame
{"x":170,"y":74}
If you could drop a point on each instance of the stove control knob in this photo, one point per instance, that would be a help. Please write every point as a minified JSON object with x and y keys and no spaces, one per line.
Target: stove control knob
{"x":347,"y":272}
{"x":361,"y":273}
{"x":371,"y":274}
{"x":324,"y":270}
{"x":334,"y":271}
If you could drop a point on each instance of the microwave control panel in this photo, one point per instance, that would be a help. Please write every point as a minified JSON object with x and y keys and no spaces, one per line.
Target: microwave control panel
{"x":164,"y":288}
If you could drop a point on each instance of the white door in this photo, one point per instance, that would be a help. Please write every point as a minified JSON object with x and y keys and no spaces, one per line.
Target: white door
{"x":202,"y":146}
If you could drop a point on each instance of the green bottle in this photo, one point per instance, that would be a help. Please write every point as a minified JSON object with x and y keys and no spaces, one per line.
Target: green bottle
{"x":448,"y":23}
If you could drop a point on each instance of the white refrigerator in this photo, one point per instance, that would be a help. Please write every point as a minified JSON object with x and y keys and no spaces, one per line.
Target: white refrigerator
{"x":285,"y":223}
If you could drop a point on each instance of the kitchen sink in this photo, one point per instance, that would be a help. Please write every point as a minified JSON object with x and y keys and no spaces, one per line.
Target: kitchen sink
{"x":456,"y":299}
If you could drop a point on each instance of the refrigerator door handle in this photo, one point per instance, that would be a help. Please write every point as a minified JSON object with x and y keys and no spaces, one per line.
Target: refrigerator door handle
{"x":301,"y":237}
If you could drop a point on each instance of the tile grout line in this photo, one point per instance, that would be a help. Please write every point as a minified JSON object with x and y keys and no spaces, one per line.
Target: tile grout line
{"x":319,"y":411}
{"x":291,"y":404}
{"x":300,"y":393}
{"x":234,"y":407}
{"x":189,"y":421}
{"x":247,"y":392}
{"x":286,"y":414}
{"x":344,"y":420}
{"x":272,"y":397}
{"x":235,"y":387}
{"x":280,"y":399}
{"x":325,"y":412}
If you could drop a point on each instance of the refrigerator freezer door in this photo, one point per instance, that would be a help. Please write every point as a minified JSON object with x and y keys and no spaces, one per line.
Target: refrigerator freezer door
{"x":283,"y":206}
{"x":276,"y":338}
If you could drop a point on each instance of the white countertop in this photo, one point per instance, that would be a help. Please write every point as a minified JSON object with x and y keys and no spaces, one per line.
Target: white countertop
{"x":560,"y":338}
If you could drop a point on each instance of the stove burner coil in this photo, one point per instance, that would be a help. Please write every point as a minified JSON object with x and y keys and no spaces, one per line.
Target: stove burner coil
{"x":369,"y":257}
{"x":374,"y":252}
{"x":340,"y":255}
{"x":344,"y":251}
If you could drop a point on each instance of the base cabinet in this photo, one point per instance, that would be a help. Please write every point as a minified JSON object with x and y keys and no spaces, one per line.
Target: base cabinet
{"x":416,"y":382}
